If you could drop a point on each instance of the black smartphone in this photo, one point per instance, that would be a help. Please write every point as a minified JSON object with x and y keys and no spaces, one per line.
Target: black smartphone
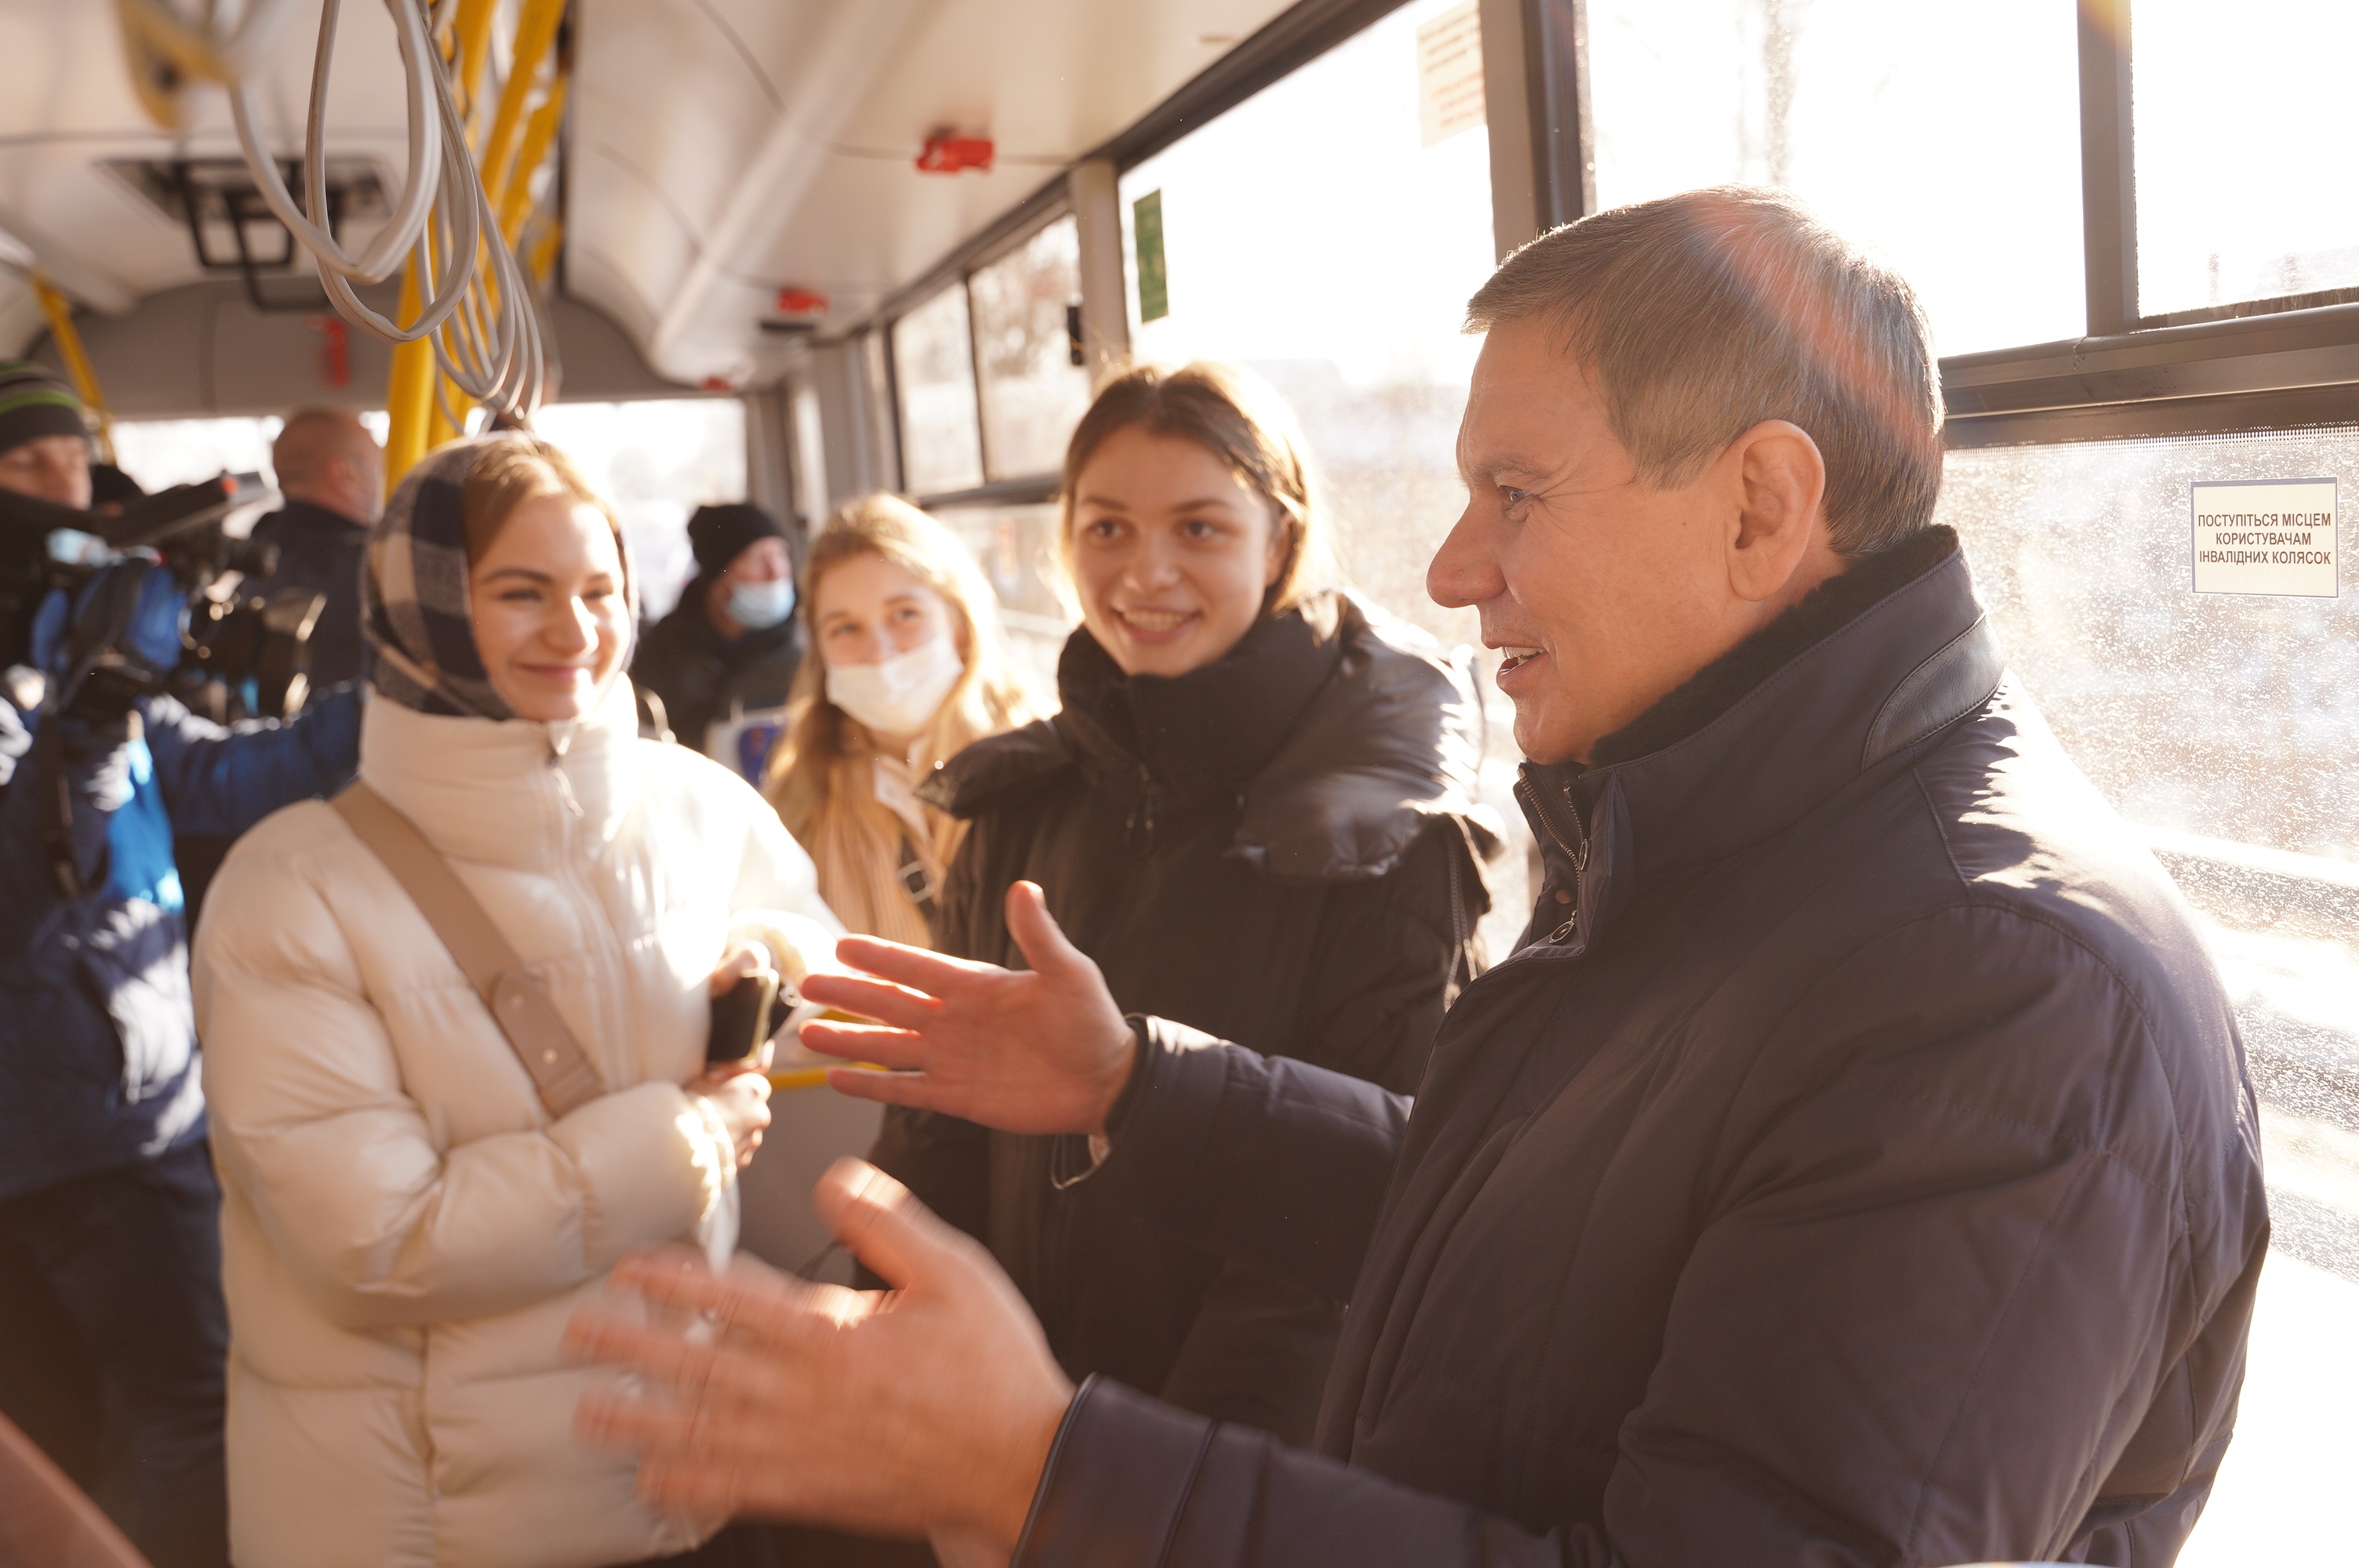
{"x":742,"y":1018}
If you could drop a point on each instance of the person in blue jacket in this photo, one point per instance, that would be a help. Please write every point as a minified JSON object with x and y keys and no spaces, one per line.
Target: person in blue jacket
{"x":111,"y":1329}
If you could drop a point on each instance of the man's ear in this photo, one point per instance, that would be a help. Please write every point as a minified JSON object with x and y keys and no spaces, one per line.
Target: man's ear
{"x":1779,"y":534}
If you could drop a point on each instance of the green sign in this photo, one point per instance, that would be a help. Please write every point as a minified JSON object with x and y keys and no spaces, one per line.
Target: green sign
{"x":1146,"y":239}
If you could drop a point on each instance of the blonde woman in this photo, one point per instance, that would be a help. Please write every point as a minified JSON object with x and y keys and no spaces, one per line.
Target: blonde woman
{"x":910,"y":667}
{"x":406,"y":1224}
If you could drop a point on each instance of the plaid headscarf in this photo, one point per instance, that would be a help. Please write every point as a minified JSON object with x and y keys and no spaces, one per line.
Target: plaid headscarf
{"x":421,"y":640}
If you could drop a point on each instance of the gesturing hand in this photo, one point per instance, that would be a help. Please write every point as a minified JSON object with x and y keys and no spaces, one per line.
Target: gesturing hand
{"x":930,"y":1409}
{"x":1043,"y":1050}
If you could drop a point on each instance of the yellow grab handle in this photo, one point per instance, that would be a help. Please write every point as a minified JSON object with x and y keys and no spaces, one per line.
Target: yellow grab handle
{"x":814,"y":1078}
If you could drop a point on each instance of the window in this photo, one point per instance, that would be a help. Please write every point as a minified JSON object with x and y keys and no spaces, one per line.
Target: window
{"x":1033,"y":393}
{"x":933,"y":365}
{"x":1948,"y":139}
{"x":656,"y":461}
{"x":1312,"y":233}
{"x":2243,"y":131}
{"x":2226,"y":727}
{"x":1017,"y":549}
{"x":161,"y":453}
{"x":2226,"y":716}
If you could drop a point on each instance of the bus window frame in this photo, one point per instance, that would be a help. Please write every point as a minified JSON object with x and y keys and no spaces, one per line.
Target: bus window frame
{"x":2284,"y":362}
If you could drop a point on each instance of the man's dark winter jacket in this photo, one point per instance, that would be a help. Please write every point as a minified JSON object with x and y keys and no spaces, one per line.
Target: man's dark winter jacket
{"x":322,"y":551}
{"x":1855,"y":1167}
{"x":98,"y":1060}
{"x":700,"y":675}
{"x":1280,"y":847}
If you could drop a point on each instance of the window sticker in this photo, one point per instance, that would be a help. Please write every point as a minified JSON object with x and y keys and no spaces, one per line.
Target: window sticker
{"x":1146,"y":237}
{"x":2264,"y":535}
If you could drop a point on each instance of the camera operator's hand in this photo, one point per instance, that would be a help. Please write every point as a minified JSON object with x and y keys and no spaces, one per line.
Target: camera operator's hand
{"x":1038,"y":1050}
{"x":928,"y":1408}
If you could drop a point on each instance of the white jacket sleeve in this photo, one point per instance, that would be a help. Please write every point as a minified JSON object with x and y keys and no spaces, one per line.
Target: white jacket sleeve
{"x":380,"y":1225}
{"x":777,"y":891}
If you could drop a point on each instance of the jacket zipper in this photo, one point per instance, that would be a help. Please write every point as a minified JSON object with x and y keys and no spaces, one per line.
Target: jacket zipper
{"x":1578,"y":854}
{"x":609,"y":968}
{"x":1138,"y":829}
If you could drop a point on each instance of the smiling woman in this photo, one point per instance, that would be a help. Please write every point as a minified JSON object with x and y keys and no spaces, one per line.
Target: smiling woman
{"x":384,"y":1140}
{"x":545,"y":582}
{"x":1253,"y":814}
{"x":1187,"y":514}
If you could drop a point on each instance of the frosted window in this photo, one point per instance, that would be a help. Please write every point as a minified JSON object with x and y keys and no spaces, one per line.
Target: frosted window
{"x":1033,"y":394}
{"x":2243,"y":137}
{"x":2230,"y":717}
{"x":656,"y":461}
{"x":934,"y":364}
{"x":1948,"y":139}
{"x":2236,"y":720}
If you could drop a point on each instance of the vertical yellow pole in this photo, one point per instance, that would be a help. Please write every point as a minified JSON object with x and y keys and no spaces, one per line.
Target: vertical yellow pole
{"x":409,"y":396}
{"x":539,"y":132}
{"x":59,"y":311}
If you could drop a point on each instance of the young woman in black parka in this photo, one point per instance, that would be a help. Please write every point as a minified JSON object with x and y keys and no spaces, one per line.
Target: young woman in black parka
{"x":1256,"y":813}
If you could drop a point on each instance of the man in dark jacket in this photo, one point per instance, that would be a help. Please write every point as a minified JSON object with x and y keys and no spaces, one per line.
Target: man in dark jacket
{"x":331,"y":472}
{"x":1854,"y":1165}
{"x":730,"y":648}
{"x":111,"y":1329}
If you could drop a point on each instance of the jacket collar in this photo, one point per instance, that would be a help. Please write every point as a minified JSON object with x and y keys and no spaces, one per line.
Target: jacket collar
{"x":310,"y":517}
{"x":505,"y":792}
{"x":1871,"y":664}
{"x":1390,"y":739}
{"x":1201,"y":734}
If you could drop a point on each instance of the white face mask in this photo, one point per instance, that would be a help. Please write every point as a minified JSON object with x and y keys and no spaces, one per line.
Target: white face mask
{"x":901,"y":695}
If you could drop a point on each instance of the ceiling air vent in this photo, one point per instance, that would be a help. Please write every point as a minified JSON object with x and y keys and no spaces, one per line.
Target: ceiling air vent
{"x":231,"y":229}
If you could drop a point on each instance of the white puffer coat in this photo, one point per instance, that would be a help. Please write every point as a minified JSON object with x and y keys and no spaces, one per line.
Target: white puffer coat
{"x":405,"y":1230}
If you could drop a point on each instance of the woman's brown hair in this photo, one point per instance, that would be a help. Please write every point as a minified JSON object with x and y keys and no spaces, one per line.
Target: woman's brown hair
{"x":518,"y":468}
{"x":1236,"y":417}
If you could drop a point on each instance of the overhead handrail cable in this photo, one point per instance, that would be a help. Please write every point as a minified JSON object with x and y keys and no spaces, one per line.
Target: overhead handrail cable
{"x":463,"y":293}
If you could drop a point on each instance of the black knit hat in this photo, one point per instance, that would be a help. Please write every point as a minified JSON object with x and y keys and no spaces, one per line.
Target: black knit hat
{"x":35,"y":403}
{"x":718,"y":534}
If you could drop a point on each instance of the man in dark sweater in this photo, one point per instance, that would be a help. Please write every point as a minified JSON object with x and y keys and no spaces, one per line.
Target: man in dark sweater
{"x":1853,"y":1166}
{"x":331,"y":472}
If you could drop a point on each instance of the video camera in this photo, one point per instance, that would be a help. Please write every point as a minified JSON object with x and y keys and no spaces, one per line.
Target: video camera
{"x":129,"y":603}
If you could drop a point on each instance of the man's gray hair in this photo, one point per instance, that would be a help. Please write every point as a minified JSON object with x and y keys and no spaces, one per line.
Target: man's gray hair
{"x":1701,"y":315}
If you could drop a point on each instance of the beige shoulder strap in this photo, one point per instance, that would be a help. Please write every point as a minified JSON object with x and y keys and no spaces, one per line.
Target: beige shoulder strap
{"x":520,"y":1004}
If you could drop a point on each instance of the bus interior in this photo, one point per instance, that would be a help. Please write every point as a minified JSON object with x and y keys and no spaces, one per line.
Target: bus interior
{"x":798,"y":251}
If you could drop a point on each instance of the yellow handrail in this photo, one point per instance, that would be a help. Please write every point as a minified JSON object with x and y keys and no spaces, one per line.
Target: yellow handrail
{"x":59,"y":311}
{"x":535,"y":30}
{"x":420,"y":419}
{"x":409,"y":393}
{"x":539,"y":134}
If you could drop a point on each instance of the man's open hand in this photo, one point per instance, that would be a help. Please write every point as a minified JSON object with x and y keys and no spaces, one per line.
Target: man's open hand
{"x":1043,"y":1050}
{"x":931,"y":1408}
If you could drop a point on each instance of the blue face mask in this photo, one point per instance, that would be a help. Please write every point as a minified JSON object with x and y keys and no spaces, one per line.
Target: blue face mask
{"x":757,"y":606}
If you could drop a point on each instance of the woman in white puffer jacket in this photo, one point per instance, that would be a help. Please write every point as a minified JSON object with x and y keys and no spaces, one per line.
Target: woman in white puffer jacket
{"x":405,"y":1228}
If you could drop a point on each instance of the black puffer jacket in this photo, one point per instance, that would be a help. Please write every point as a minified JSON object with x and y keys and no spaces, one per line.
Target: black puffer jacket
{"x":1856,"y":1167}
{"x":1281,"y":847}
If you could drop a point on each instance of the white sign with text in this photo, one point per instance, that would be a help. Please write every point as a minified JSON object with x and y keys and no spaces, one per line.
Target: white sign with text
{"x":1450,"y":73}
{"x":2265,"y":535}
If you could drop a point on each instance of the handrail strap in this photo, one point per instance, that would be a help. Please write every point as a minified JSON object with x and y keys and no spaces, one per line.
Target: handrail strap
{"x":519,"y":1003}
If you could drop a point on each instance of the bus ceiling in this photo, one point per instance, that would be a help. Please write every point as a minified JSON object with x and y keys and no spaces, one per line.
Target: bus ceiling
{"x":731,"y":179}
